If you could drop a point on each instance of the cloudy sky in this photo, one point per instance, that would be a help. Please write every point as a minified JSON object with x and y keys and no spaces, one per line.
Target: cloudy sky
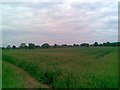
{"x":59,"y":22}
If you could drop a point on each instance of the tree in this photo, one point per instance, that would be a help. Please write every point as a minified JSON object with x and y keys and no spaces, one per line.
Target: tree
{"x":3,"y":47}
{"x":84,"y":44}
{"x":22,"y":45}
{"x":26,"y":47}
{"x":37,"y":46}
{"x":64,"y":45}
{"x":14,"y":47}
{"x":75,"y":45}
{"x":8,"y":47}
{"x":55,"y":45}
{"x":108,"y":44}
{"x":115,"y":44}
{"x":104,"y":44}
{"x":45,"y":45}
{"x":100,"y":44}
{"x":95,"y":44}
{"x":31,"y":46}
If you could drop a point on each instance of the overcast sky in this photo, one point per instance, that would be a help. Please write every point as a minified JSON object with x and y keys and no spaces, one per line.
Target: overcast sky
{"x":59,"y":22}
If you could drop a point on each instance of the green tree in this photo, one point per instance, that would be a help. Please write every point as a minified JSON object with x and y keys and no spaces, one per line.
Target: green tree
{"x":8,"y":47}
{"x":108,"y":44}
{"x":55,"y":45}
{"x":95,"y":44}
{"x":13,"y":47}
{"x":75,"y":45}
{"x":31,"y":46}
{"x":84,"y":44}
{"x":22,"y":45}
{"x":45,"y":45}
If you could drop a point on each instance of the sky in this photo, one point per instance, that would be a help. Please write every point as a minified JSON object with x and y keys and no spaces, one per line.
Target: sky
{"x":60,"y":22}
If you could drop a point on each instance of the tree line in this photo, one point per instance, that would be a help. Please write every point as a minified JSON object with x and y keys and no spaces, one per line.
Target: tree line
{"x":46,"y":45}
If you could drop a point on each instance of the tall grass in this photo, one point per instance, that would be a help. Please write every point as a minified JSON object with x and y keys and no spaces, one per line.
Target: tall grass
{"x":69,"y":67}
{"x":0,"y":69}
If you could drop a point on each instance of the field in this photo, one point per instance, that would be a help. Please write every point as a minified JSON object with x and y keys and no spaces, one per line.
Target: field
{"x":82,"y":67}
{"x":0,"y":69}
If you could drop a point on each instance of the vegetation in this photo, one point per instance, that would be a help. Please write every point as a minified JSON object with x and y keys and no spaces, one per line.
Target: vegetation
{"x":78,"y":67}
{"x":31,"y":46}
{"x":0,"y":69}
{"x":46,"y":45}
{"x":14,"y":77}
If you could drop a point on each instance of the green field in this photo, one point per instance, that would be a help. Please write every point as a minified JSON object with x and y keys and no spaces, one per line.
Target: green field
{"x":82,"y":67}
{"x":0,"y":69}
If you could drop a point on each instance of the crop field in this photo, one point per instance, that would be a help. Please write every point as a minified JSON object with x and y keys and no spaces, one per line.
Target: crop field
{"x":80,"y":67}
{"x":0,"y":69}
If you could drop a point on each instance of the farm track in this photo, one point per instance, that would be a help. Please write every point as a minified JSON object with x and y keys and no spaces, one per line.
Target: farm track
{"x":31,"y":82}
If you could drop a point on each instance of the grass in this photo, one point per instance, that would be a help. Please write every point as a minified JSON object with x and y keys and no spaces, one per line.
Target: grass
{"x":11,"y":77}
{"x":15,"y":77}
{"x":89,"y":67}
{"x":0,"y":69}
